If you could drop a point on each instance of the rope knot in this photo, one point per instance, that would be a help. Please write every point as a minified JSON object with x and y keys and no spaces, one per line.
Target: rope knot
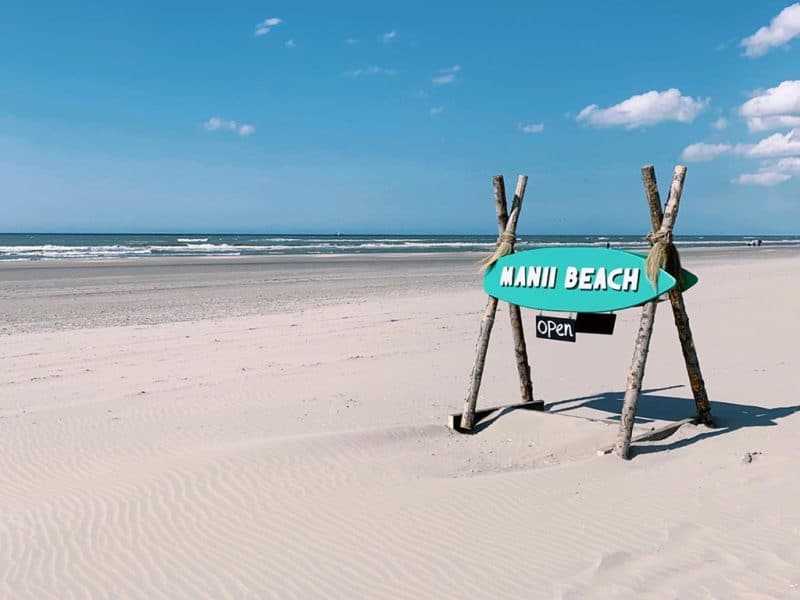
{"x":507,"y":237}
{"x":505,"y":245}
{"x":664,"y":237}
{"x":663,"y":255}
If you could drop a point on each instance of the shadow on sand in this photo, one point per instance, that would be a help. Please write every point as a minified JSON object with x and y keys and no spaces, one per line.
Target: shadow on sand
{"x":655,"y":407}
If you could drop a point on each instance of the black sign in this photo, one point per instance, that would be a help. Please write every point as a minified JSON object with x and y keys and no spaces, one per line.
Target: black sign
{"x":602,"y":323}
{"x":555,"y":328}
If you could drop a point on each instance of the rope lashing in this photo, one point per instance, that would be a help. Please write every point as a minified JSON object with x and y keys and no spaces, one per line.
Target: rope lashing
{"x":505,"y":246}
{"x":663,"y":255}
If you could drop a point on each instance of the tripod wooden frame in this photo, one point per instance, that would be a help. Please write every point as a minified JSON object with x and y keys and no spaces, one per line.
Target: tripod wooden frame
{"x":663,"y":222}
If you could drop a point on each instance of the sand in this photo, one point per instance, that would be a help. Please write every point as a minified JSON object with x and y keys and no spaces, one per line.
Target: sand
{"x":276,"y":428}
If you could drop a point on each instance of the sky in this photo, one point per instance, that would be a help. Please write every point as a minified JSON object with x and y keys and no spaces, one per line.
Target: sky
{"x":383,"y":117}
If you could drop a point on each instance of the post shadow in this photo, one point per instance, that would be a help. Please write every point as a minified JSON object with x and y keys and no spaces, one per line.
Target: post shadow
{"x":728,"y":416}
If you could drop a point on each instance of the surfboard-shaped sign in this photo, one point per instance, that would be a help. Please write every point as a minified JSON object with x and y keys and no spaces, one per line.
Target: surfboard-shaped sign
{"x":576,"y":279}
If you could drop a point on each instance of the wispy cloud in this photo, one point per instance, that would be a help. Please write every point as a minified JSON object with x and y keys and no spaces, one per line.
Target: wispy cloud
{"x":389,"y":36}
{"x":720,"y":124}
{"x":369,"y":71}
{"x":774,"y":146}
{"x":531,"y":127}
{"x":779,"y":155}
{"x":774,"y":108}
{"x":767,"y":178}
{"x":218,"y":124}
{"x":778,"y":144}
{"x":772,"y":173}
{"x":351,"y":41}
{"x":246,"y":129}
{"x":789,"y":165}
{"x":290,"y":44}
{"x":774,"y":122}
{"x":446,"y":76}
{"x":645,"y":109}
{"x":702,"y":152}
{"x":781,"y":30}
{"x":265,"y":26}
{"x":437,"y":110}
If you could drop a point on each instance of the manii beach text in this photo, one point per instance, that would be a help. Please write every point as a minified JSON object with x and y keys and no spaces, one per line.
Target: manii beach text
{"x":583,"y":278}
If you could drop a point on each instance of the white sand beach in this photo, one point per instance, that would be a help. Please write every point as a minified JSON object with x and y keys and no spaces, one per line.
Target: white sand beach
{"x":276,"y":427}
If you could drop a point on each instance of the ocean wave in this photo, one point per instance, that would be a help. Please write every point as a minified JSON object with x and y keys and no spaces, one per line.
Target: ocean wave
{"x":55,"y":251}
{"x":195,"y":248}
{"x":163,"y":246}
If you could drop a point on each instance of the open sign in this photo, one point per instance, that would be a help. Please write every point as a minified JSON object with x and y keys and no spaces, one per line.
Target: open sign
{"x":555,"y":328}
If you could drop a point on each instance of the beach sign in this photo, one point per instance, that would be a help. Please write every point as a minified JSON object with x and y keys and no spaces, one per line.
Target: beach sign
{"x":577,"y":279}
{"x":589,"y":284}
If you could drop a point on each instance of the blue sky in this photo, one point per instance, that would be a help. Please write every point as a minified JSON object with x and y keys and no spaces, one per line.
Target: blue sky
{"x":393,"y":117}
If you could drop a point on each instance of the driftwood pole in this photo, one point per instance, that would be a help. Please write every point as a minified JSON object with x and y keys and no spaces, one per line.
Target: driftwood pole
{"x":514,"y":312}
{"x":468,"y":414}
{"x":642,"y":347}
{"x":679,"y":309}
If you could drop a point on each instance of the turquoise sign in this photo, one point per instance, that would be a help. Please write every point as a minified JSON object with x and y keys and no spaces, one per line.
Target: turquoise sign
{"x":576,"y":279}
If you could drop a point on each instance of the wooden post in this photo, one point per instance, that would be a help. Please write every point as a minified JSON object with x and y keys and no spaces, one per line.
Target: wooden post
{"x":487,"y":322}
{"x":679,"y":310}
{"x":635,"y":377}
{"x":468,"y":414}
{"x":514,"y":312}
{"x":642,"y":347}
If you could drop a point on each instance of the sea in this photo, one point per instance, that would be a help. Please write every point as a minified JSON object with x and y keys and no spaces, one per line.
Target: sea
{"x":48,"y":246}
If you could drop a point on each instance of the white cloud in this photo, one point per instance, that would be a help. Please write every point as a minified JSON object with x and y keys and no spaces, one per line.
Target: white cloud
{"x":788,"y":165}
{"x":351,"y":41}
{"x":446,"y":76}
{"x":762,"y":178}
{"x":778,"y":144}
{"x":782,"y":146}
{"x":389,"y":36}
{"x":265,"y":26}
{"x":290,"y":44}
{"x":437,"y":110}
{"x":645,"y":109}
{"x":773,"y":146}
{"x":701,"y":152}
{"x":370,"y":71}
{"x":531,"y":128}
{"x":780,"y":100}
{"x":218,"y":124}
{"x":776,"y":122}
{"x":782,"y":29}
{"x":773,"y":108}
{"x":772,"y":173}
{"x":215,"y":123}
{"x":720,"y":124}
{"x":444,"y":79}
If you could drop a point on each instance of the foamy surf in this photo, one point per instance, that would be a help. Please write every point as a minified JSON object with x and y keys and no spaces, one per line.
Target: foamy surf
{"x":119,"y":246}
